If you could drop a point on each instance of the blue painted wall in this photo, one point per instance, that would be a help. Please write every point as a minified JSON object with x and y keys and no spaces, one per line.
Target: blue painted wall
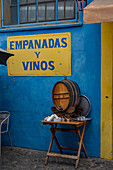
{"x":29,"y":99}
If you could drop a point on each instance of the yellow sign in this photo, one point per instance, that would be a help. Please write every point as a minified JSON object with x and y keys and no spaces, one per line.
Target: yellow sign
{"x":40,"y":55}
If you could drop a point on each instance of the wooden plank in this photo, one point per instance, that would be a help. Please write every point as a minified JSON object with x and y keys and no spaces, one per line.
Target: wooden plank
{"x":60,"y":93}
{"x":76,"y":123}
{"x":62,"y":155}
{"x":55,"y":98}
{"x":72,"y":149}
{"x":64,"y":130}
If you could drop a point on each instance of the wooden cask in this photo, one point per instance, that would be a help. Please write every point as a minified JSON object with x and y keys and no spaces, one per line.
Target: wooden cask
{"x":66,"y":96}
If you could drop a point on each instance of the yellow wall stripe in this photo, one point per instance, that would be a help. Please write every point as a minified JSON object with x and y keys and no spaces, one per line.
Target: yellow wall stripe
{"x":107,"y":90}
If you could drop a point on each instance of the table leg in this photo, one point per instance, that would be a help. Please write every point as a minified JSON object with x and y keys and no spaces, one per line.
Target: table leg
{"x":47,"y":157}
{"x":77,"y":131}
{"x":80,"y":144}
{"x":53,"y":137}
{"x":53,"y":133}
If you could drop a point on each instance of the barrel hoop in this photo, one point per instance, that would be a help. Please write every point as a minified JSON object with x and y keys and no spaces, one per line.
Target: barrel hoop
{"x":73,"y":93}
{"x":78,"y":92}
{"x":75,"y":96}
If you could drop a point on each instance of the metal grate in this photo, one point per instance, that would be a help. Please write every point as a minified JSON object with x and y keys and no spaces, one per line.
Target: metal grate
{"x":82,"y":4}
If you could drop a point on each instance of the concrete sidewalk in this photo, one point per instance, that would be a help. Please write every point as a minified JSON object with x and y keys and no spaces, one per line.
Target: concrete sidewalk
{"x":27,"y":159}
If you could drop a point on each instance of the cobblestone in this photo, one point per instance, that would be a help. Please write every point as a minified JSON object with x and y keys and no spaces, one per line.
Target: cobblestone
{"x":28,"y":159}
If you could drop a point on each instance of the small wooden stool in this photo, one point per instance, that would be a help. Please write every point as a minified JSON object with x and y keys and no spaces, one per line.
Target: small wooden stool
{"x":54,"y":128}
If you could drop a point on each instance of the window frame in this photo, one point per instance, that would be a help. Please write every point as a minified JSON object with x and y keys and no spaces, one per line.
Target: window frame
{"x":65,"y":11}
{"x":27,"y":5}
{"x":47,"y":2}
{"x":41,"y":23}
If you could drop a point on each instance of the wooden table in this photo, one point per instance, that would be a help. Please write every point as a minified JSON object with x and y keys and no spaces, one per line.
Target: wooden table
{"x":76,"y":126}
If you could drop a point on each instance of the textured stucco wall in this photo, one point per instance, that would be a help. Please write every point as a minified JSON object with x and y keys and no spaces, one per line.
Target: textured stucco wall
{"x":29,"y":99}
